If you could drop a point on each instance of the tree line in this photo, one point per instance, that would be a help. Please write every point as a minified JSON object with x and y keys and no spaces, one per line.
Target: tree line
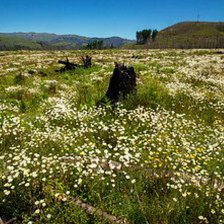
{"x":97,"y":45}
{"x":145,"y":35}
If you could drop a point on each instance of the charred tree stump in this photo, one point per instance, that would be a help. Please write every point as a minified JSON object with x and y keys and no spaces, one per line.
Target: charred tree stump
{"x":87,"y":61}
{"x":122,"y":83}
{"x":68,"y":65}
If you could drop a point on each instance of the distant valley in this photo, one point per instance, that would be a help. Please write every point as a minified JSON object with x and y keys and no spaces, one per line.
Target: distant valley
{"x":47,"y":41}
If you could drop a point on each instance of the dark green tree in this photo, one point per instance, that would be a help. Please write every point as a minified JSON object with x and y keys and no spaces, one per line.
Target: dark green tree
{"x":143,"y":36}
{"x":139,"y":37}
{"x":95,"y":45}
{"x":146,"y":34}
{"x":154,"y":34}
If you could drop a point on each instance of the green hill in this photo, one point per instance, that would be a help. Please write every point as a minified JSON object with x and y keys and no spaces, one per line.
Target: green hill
{"x":190,"y":35}
{"x":17,"y":43}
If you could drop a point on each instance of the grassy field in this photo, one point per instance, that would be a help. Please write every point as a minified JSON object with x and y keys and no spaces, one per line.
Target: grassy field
{"x":158,"y":157}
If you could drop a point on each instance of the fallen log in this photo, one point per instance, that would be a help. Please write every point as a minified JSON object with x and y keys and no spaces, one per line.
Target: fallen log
{"x":87,"y":62}
{"x":68,"y":65}
{"x":98,"y":212}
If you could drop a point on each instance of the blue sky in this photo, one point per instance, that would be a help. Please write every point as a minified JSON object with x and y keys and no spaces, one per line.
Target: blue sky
{"x":103,"y":18}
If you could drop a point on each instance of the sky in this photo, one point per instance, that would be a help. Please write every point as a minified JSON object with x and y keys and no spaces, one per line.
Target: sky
{"x":103,"y":18}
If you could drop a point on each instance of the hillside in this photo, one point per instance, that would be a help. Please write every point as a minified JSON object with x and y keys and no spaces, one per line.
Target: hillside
{"x":12,"y":41}
{"x":17,"y":43}
{"x":191,"y":35}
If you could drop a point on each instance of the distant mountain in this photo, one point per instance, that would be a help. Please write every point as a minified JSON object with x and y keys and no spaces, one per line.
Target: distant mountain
{"x":191,"y":35}
{"x":37,"y":41}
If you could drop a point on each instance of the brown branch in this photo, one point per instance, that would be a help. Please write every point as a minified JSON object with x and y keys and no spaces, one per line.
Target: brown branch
{"x":8,"y":222}
{"x":11,"y":220}
{"x":98,"y":212}
{"x":1,"y":222}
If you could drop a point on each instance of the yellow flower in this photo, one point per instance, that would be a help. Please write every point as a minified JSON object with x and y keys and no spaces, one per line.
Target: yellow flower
{"x":160,"y":164}
{"x":196,"y":168}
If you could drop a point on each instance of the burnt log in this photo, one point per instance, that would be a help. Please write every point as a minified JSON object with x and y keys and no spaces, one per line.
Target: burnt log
{"x":87,"y":61}
{"x":68,"y":65}
{"x":122,"y":83}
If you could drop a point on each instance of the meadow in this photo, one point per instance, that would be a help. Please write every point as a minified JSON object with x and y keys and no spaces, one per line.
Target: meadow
{"x":157,"y":157}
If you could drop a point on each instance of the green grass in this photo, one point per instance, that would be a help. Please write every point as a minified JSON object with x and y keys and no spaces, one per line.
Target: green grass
{"x":157,"y":157}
